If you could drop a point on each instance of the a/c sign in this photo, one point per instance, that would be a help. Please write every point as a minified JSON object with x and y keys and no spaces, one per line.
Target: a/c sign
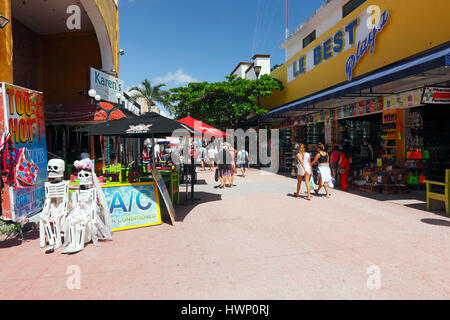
{"x":133,"y":205}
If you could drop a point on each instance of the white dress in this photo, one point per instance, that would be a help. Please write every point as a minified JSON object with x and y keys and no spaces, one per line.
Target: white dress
{"x":325,"y":173}
{"x":301,"y":171}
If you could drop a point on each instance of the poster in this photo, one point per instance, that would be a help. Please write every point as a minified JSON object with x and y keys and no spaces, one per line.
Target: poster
{"x":165,"y":194}
{"x":403,"y":100}
{"x":23,"y":117}
{"x":133,"y":205}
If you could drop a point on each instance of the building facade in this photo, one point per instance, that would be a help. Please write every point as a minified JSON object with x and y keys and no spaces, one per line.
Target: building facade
{"x":50,"y":46}
{"x":365,"y":69}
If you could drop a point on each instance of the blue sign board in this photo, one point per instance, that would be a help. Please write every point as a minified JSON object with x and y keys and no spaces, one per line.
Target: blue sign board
{"x":133,"y":205}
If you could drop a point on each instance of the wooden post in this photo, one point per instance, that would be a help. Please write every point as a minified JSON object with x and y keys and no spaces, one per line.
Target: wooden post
{"x":92,"y":147}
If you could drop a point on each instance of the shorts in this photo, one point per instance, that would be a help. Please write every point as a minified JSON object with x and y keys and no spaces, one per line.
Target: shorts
{"x":243,"y":165}
{"x":334,"y":165}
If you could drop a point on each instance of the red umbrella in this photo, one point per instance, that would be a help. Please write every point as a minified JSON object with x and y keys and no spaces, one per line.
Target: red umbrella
{"x":202,"y":127}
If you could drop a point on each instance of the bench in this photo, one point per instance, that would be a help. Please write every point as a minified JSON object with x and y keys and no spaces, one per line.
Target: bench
{"x":439,"y":196}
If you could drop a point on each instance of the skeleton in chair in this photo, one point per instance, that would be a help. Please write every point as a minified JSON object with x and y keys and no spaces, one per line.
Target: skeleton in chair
{"x":55,"y":207}
{"x":89,"y":220}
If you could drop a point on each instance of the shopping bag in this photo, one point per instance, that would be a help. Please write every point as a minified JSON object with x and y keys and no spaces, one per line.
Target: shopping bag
{"x":312,"y":185}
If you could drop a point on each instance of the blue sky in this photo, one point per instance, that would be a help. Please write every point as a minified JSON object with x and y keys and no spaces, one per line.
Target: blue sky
{"x":177,"y":41}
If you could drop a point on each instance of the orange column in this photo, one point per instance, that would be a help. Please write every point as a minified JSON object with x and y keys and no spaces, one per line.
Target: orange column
{"x":6,"y":44}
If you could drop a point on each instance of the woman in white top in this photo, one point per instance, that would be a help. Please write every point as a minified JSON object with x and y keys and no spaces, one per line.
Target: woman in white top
{"x":304,"y":170}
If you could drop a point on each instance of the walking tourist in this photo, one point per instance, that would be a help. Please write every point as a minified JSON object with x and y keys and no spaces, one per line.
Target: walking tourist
{"x":243,"y":160}
{"x":212,"y":156}
{"x":323,"y":159}
{"x":335,"y":156}
{"x":303,"y":170}
{"x":344,"y":168}
{"x":202,"y":151}
{"x":224,"y":164}
{"x":232,"y":152}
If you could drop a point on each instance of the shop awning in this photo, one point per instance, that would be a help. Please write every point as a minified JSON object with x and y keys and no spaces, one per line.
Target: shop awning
{"x":394,"y":72}
{"x":205,"y":129}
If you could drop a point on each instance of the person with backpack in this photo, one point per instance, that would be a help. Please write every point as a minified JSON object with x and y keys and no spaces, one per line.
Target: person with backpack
{"x":243,"y":160}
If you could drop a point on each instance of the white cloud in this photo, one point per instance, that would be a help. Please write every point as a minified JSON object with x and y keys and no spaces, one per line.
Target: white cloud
{"x":179,"y":77}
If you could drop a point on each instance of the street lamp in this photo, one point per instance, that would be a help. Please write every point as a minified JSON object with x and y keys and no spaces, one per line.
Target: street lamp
{"x":3,"y":21}
{"x":95,"y":99}
{"x":257,"y":70}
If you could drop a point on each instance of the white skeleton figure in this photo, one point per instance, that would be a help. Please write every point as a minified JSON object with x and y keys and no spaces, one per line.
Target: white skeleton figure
{"x":84,"y":223}
{"x":55,"y":207}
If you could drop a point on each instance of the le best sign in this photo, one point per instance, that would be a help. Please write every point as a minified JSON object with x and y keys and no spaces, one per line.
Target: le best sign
{"x":105,"y":85}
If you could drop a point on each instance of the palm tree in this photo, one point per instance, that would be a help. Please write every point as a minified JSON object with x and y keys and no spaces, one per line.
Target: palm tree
{"x":151,"y":95}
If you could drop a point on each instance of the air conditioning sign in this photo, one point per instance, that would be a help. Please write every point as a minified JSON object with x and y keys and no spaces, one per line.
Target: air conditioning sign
{"x":105,"y":85}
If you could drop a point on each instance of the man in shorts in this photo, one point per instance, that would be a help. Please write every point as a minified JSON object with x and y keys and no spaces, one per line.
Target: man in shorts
{"x":212,"y":155}
{"x":243,"y":160}
{"x":202,"y":152}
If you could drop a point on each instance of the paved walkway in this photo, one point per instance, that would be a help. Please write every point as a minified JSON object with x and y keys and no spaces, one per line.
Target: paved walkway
{"x":253,"y":241}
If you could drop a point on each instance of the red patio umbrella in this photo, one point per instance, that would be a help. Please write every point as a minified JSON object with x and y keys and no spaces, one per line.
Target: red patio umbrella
{"x":202,"y":127}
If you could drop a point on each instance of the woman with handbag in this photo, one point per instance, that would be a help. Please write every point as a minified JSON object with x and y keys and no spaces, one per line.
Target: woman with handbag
{"x":344,"y":168}
{"x":323,"y":159}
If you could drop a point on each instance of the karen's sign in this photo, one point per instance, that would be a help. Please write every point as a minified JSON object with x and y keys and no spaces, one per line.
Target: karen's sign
{"x":105,"y":85}
{"x":133,"y":205}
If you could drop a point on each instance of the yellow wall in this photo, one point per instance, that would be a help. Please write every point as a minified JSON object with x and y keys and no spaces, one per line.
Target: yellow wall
{"x":413,"y":27}
{"x":110,"y":15}
{"x":6,"y":45}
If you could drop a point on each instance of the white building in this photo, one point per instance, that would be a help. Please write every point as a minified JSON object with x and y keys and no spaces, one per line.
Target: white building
{"x":245,"y":70}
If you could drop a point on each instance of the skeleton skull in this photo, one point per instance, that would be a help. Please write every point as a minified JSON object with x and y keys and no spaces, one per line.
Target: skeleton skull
{"x":85,"y":177}
{"x":56,"y":168}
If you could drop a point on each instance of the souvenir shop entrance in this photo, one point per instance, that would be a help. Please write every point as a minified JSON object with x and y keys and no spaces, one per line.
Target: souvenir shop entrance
{"x":352,"y":131}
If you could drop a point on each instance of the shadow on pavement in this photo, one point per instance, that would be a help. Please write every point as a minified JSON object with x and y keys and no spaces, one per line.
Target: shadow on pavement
{"x":186,"y":206}
{"x":16,"y":240}
{"x":437,"y":222}
{"x":415,"y":199}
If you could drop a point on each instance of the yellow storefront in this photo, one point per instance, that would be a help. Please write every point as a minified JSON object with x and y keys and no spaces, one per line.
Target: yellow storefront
{"x":370,"y":67}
